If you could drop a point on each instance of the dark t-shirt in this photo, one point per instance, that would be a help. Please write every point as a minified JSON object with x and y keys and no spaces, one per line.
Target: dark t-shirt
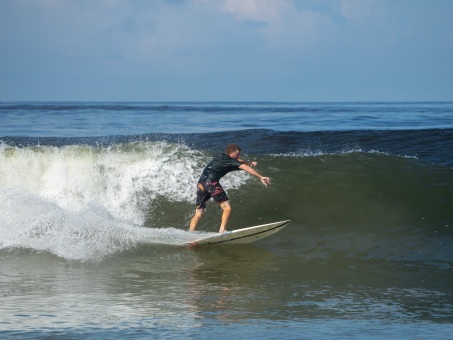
{"x":219,"y":167}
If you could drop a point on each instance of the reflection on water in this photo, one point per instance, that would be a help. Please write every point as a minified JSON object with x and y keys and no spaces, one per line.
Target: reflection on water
{"x":163,"y":288}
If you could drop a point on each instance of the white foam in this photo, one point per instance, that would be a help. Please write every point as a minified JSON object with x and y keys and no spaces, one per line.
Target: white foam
{"x":27,"y":221}
{"x":345,"y":152}
{"x":83,"y":202}
{"x":122,"y":179}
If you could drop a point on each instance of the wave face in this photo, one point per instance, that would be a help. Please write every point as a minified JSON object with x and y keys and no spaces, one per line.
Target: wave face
{"x":90,"y":198}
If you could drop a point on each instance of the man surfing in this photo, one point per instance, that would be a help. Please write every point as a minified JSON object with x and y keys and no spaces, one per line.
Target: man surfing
{"x":208,"y":185}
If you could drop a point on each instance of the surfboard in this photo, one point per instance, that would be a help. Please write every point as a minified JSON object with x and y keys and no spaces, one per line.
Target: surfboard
{"x":240,"y":236}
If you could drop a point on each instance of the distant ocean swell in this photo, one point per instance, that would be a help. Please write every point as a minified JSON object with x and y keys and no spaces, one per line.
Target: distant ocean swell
{"x":97,"y":119}
{"x":89,"y":200}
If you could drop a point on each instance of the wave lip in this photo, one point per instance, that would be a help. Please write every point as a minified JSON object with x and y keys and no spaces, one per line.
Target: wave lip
{"x":432,"y":145}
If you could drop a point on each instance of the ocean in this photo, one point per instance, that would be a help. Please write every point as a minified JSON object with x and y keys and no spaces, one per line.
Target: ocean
{"x":97,"y":199}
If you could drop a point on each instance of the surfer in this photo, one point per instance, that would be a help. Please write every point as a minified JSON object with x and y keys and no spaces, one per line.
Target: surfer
{"x":208,"y":185}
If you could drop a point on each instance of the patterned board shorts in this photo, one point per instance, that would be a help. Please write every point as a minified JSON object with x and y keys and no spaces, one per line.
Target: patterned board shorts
{"x":208,"y":189}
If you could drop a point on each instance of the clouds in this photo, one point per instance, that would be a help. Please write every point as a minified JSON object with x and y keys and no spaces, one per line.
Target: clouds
{"x":282,"y":24}
{"x":223,"y":49}
{"x":267,"y":11}
{"x":357,"y":9}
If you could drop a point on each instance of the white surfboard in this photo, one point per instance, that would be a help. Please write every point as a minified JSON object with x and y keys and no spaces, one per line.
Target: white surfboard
{"x":240,"y":236}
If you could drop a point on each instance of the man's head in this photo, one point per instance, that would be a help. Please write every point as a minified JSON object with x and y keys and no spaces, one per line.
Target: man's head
{"x":233,"y":150}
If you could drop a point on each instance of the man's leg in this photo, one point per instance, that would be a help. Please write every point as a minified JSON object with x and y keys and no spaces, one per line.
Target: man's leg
{"x":226,"y":207}
{"x":195,"y":219}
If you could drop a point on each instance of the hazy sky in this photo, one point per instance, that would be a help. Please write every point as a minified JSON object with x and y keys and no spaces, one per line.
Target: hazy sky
{"x":215,"y":50}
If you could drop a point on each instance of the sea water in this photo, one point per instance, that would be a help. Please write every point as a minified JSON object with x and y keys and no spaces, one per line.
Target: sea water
{"x":97,"y":198}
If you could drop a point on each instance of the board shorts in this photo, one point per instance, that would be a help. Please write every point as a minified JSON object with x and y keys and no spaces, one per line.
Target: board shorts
{"x":208,"y":189}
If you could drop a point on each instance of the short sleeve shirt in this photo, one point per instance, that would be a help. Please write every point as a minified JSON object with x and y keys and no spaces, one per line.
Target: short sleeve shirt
{"x":219,"y":167}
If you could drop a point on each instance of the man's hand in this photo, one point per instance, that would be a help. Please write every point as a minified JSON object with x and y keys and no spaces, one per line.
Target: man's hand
{"x":265,"y":180}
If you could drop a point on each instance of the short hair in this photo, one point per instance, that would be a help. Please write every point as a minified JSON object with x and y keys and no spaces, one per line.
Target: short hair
{"x":232,"y":148}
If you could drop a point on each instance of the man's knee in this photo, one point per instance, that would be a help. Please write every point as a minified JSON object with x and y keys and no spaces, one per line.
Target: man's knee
{"x":225,"y":206}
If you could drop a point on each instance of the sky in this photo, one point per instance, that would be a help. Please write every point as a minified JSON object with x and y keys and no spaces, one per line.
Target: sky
{"x":226,"y":50}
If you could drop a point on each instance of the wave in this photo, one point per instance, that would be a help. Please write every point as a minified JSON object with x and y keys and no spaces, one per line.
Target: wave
{"x":82,"y":202}
{"x":431,"y":145}
{"x":85,"y":201}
